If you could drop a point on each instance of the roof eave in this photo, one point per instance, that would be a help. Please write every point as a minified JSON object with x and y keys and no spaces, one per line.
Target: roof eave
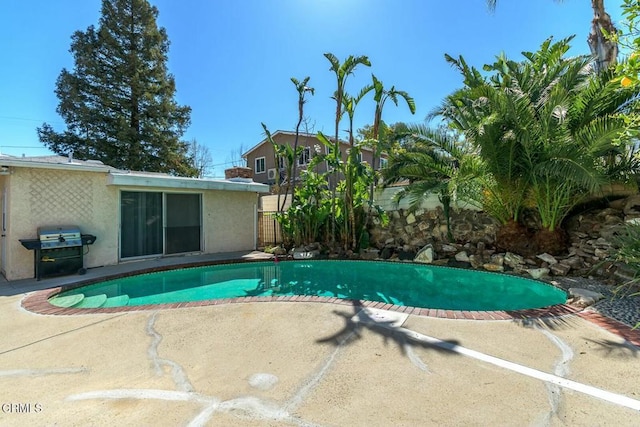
{"x":134,"y":180}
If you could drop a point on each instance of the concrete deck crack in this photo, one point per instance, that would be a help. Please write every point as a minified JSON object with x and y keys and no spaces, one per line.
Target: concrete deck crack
{"x":177,"y":372}
{"x":297,"y":399}
{"x":41,"y":372}
{"x":561,"y":369}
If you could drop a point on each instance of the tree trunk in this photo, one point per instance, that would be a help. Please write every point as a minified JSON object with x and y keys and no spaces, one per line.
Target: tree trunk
{"x":552,"y":242}
{"x":515,"y":237}
{"x":605,"y":51}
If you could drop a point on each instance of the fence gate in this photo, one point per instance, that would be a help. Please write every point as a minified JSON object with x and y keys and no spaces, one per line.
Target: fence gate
{"x":269,"y":233}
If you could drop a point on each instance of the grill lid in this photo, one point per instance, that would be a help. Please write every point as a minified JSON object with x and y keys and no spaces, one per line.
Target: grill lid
{"x":59,"y":237}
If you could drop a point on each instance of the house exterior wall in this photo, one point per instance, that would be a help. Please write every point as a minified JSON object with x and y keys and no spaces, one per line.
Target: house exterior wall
{"x":229,"y":220}
{"x":266,"y":150}
{"x":49,"y":197}
{"x":38,"y":197}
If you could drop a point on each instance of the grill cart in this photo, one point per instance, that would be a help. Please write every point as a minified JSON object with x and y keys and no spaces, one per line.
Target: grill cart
{"x":58,"y":250}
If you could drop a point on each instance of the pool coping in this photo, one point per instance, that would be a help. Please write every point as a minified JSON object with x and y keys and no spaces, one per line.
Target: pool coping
{"x":38,"y":302}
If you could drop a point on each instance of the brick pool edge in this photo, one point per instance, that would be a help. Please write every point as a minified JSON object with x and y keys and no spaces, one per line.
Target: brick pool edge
{"x":38,"y":302}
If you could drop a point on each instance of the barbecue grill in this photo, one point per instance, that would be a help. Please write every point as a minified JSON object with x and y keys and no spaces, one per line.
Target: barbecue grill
{"x":58,"y":250}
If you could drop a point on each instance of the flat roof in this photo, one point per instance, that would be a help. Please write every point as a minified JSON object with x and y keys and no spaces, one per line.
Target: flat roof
{"x":54,"y":162}
{"x":133,"y":178}
{"x":141,"y":179}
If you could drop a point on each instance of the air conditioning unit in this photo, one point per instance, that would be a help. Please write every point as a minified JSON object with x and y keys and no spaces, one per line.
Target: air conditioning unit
{"x":271,"y":174}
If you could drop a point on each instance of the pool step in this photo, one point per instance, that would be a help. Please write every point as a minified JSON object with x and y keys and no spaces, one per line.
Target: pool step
{"x":66,"y":301}
{"x":119,"y":301}
{"x":94,"y":301}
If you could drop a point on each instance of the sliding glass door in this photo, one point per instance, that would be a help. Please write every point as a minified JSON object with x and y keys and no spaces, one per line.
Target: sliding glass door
{"x":155,"y":223}
{"x":182,"y":233}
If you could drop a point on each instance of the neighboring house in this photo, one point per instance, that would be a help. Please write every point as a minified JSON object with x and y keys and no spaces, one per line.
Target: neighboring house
{"x":262,"y":161}
{"x":134,"y":215}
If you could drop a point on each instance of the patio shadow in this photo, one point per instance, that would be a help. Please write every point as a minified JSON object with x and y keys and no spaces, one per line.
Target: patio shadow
{"x":394,"y":334}
{"x":616,"y":349}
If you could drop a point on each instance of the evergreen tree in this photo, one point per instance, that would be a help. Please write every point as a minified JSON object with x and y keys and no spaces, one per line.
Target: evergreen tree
{"x":118,"y":102}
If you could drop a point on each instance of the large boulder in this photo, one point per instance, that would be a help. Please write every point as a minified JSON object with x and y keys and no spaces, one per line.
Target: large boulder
{"x":632,"y":206}
{"x":583,"y":297}
{"x":305,"y":253}
{"x":462,"y":256}
{"x":538,"y":273}
{"x":425,"y":255}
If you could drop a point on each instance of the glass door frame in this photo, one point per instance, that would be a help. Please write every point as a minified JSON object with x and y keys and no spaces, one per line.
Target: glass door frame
{"x":164,"y":223}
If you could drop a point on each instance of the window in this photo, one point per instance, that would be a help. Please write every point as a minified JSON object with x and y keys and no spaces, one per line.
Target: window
{"x":260,"y":168}
{"x":281,"y":163}
{"x":305,"y":156}
{"x":359,"y":157}
{"x":383,"y":163}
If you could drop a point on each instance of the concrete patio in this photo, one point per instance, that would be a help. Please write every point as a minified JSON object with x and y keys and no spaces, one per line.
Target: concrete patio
{"x":299,"y":363}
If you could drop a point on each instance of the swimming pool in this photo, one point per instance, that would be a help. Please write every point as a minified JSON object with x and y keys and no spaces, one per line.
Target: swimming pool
{"x":402,"y":284}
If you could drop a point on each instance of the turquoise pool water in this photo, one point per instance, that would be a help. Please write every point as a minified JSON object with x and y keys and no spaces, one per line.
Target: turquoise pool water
{"x":402,"y":284}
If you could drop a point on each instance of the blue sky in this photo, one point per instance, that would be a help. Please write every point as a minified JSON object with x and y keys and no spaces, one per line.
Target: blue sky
{"x":233,"y":59}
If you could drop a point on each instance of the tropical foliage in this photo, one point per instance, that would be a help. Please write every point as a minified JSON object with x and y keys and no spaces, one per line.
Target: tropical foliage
{"x":627,"y":246}
{"x":547,"y":131}
{"x":306,"y":219}
{"x":341,"y":70}
{"x":602,"y":37}
{"x":332,"y":207}
{"x":629,"y":40}
{"x":435,"y":161}
{"x":534,"y":136}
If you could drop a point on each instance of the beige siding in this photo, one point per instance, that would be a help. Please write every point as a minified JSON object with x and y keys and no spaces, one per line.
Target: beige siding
{"x":270,"y":203}
{"x":229,"y":221}
{"x":266,"y":150}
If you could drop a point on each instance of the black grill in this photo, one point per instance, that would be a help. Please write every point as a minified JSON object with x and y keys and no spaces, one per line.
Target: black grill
{"x":58,"y":250}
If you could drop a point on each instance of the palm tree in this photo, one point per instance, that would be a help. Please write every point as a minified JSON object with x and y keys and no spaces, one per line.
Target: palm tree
{"x":341,"y":71}
{"x":380,"y":96}
{"x":603,"y":49}
{"x":438,"y":161}
{"x":544,"y":128}
{"x":352,"y":169}
{"x":302,"y":89}
{"x":481,"y":111}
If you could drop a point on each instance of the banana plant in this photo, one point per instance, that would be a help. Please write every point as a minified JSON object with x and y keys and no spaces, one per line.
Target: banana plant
{"x":341,"y":71}
{"x":353,"y":171}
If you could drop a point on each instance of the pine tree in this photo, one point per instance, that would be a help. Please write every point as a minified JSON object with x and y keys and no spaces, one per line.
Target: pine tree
{"x":118,"y":102}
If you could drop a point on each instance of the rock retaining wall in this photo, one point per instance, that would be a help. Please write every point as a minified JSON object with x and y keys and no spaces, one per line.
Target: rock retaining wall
{"x":591,"y":234}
